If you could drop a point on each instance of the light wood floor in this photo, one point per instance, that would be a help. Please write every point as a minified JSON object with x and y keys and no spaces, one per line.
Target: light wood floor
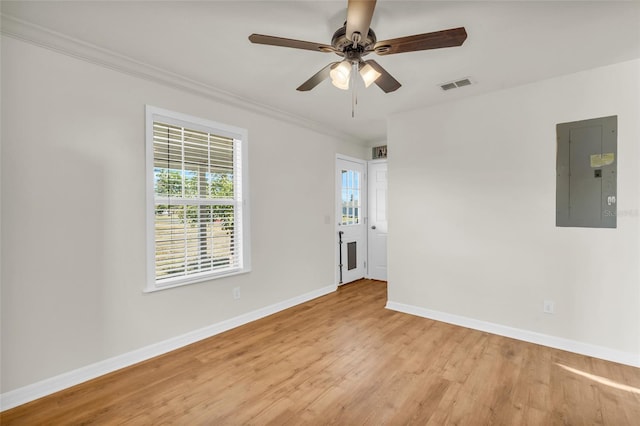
{"x":344,"y":359}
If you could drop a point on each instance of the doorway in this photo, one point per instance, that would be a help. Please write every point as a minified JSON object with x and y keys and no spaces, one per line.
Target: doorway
{"x":350,"y":217}
{"x":377,"y":220}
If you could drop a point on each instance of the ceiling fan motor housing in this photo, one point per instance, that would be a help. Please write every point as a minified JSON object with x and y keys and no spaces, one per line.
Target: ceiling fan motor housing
{"x":345,"y":47}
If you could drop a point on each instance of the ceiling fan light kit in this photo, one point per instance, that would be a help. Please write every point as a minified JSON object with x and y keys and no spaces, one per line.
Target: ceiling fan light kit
{"x":340,"y":75}
{"x":349,"y":43}
{"x":369,"y":75}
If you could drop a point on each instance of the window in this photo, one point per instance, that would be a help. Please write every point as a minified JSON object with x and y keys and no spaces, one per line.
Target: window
{"x":350,"y":197}
{"x":197,"y":209}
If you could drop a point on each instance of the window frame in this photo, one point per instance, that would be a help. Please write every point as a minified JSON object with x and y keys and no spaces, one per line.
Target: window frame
{"x":242,"y":221}
{"x":350,"y":186}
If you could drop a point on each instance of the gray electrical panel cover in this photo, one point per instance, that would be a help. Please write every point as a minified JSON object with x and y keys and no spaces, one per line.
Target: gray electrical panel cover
{"x":586,"y":170}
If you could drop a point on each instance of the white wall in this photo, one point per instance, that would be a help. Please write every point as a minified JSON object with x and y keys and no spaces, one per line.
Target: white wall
{"x":73,"y":215}
{"x":472,"y":212}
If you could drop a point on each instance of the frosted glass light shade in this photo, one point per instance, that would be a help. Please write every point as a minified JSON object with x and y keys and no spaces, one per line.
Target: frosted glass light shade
{"x":369,"y":75}
{"x":340,"y":75}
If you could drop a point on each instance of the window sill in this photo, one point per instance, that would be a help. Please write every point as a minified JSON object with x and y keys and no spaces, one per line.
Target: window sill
{"x":195,"y":280}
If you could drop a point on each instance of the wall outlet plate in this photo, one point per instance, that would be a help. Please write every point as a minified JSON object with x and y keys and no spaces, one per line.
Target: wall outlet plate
{"x":548,"y":307}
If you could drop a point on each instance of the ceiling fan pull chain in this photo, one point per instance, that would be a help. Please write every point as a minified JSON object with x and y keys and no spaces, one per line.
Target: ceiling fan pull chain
{"x":353,"y":103}
{"x":354,"y":94}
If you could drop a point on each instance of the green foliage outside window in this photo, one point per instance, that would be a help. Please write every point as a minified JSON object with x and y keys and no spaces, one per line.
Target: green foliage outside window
{"x":169,"y":183}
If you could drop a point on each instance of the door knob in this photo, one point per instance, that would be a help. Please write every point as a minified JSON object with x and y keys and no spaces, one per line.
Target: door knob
{"x":373,"y":227}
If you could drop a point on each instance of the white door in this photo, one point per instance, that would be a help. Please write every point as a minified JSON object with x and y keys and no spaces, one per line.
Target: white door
{"x":377,"y":232}
{"x":351,"y":205}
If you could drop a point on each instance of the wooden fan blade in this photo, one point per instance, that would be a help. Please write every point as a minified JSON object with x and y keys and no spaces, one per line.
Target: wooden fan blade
{"x":359,"y":14}
{"x":287,"y":42}
{"x":435,"y":40}
{"x":386,"y":81}
{"x":317,"y":78}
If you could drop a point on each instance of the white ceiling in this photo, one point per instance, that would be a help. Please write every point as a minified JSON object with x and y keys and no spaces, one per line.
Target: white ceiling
{"x":509,"y":43}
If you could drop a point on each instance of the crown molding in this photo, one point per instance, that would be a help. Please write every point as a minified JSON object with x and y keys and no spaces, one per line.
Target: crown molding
{"x":55,"y":41}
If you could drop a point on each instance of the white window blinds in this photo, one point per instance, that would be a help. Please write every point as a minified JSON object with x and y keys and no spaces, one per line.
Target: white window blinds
{"x":197,"y":203}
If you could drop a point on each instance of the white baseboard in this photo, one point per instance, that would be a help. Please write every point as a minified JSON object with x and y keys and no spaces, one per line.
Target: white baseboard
{"x":54,"y":384}
{"x":574,"y":346}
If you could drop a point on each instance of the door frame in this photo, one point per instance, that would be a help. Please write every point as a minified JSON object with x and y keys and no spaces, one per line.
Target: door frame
{"x":364,"y":213}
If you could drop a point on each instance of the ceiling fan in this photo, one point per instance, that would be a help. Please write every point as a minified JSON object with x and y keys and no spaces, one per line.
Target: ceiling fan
{"x":355,"y":40}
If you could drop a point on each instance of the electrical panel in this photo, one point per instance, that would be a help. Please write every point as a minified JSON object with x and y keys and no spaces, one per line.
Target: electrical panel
{"x":586,"y":173}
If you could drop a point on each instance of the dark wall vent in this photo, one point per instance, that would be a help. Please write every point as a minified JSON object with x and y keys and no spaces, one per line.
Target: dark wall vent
{"x":455,"y":84}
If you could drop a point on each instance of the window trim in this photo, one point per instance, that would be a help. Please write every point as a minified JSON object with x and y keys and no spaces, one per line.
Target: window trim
{"x":159,"y":114}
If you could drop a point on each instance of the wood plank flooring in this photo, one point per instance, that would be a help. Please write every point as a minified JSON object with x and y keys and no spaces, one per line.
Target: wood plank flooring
{"x":344,"y":359}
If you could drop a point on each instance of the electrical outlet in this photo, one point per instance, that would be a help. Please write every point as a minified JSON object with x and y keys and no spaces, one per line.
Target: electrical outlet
{"x":236,"y":292}
{"x":548,"y":307}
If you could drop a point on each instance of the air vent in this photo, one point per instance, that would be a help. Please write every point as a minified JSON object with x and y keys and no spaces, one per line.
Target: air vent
{"x":455,"y":84}
{"x":379,"y":152}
